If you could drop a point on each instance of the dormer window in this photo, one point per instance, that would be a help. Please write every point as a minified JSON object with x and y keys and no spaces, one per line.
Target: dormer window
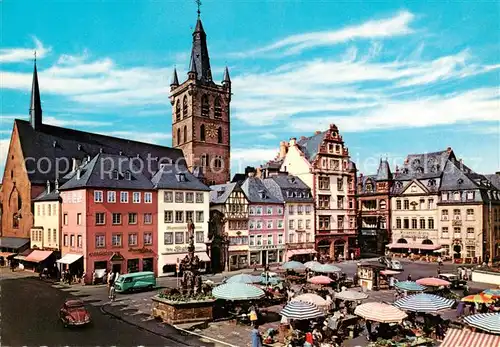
{"x":460,"y":181}
{"x":405,"y":170}
{"x":288,"y":193}
{"x":420,"y":170}
{"x":181,"y":177}
{"x":128,"y":175}
{"x":431,"y":183}
{"x":116,"y":175}
{"x":220,"y":193}
{"x":262,"y":194}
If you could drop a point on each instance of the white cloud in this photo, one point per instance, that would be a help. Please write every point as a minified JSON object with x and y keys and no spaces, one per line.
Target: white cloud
{"x":252,"y":156}
{"x":16,"y":55}
{"x":267,"y":136}
{"x":397,"y":25}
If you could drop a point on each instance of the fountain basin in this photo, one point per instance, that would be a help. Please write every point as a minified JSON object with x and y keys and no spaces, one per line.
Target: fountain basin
{"x":178,"y":312}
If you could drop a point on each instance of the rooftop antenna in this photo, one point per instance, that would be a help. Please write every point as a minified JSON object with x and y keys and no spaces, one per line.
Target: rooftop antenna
{"x":198,"y":3}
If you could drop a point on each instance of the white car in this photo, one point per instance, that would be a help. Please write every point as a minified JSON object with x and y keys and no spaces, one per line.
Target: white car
{"x":391,"y":264}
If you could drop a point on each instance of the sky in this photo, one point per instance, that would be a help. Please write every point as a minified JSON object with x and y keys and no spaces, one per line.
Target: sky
{"x":396,"y":77}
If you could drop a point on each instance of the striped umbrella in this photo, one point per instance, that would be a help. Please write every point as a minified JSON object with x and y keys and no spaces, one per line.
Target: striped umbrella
{"x":327,"y":268}
{"x":489,"y":322}
{"x":243,"y":278}
{"x":320,"y":280}
{"x":480,"y":298}
{"x":433,"y":282}
{"x":301,"y":311}
{"x":350,"y":295}
{"x":425,"y":303}
{"x":495,"y":293}
{"x":293,"y":265}
{"x":379,"y":312}
{"x":311,"y":265}
{"x":311,"y":298}
{"x":237,"y":291}
{"x":410,"y":286}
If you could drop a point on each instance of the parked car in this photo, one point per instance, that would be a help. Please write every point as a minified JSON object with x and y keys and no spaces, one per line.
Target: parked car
{"x":391,"y":264}
{"x":74,"y":313}
{"x":455,"y":281}
{"x":135,"y":281}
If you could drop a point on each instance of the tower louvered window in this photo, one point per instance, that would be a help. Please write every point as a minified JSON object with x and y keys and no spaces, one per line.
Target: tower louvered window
{"x":185,"y":107}
{"x":178,"y":136}
{"x":177,"y":112}
{"x":202,"y":132}
{"x":185,"y":133}
{"x":205,"y":107}
{"x":219,"y":135}
{"x":217,"y":108}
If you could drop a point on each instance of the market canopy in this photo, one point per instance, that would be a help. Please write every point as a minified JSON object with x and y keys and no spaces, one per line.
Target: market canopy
{"x":423,"y":302}
{"x":293,"y":265}
{"x":380,"y":312}
{"x":467,"y":338}
{"x":244,"y":278}
{"x":69,"y":258}
{"x":350,"y":295}
{"x":301,"y":311}
{"x":327,"y":268}
{"x":290,"y":253}
{"x":237,"y":291}
{"x":433,"y":282}
{"x":410,"y":286}
{"x":480,"y":298}
{"x":320,"y":280}
{"x":495,"y":293}
{"x":489,"y":322}
{"x":311,"y":298}
{"x":38,"y":256}
{"x":413,"y":246}
{"x":312,"y":264}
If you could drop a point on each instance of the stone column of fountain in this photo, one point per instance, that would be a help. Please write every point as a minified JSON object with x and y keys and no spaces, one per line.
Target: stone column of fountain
{"x":190,"y":265}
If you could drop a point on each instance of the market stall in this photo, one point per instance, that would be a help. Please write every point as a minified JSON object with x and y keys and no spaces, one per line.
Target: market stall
{"x":369,"y":276}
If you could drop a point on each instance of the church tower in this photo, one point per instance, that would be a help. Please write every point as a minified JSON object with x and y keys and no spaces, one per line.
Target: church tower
{"x":201,"y":114}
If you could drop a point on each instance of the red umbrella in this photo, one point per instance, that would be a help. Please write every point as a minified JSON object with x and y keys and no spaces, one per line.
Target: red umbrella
{"x":433,"y":282}
{"x":320,"y":280}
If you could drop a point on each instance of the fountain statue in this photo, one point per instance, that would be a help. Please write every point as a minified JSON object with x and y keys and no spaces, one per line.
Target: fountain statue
{"x":190,"y":265}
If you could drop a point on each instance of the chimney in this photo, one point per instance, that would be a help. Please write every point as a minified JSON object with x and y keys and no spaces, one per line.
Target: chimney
{"x":251,"y":174}
{"x":56,"y":185}
{"x":78,"y":174}
{"x":48,"y":186}
{"x":317,"y":132}
{"x":76,"y":164}
{"x":448,"y":149}
{"x":259,"y":172}
{"x":302,"y":138}
{"x":293,"y":141}
{"x":283,"y":149}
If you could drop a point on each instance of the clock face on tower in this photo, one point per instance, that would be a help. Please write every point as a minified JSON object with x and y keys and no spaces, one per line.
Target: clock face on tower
{"x":211,"y":131}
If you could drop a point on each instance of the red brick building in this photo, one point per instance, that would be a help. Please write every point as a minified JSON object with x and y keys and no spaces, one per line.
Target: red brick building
{"x":109,"y":217}
{"x":201,"y":115}
{"x":374,"y":211}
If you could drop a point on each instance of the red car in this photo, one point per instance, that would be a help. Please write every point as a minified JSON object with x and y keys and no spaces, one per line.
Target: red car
{"x":74,"y":313}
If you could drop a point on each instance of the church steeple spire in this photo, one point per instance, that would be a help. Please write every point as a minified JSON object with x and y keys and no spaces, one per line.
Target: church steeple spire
{"x":199,"y":54}
{"x":36,"y":104}
{"x":175,"y":79}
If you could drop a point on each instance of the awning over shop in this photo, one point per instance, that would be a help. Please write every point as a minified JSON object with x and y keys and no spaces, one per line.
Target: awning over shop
{"x":291,"y":252}
{"x":456,"y":337}
{"x":238,"y":248}
{"x":6,"y":254}
{"x":171,"y":259}
{"x":20,"y":257}
{"x":413,"y":246}
{"x":38,"y":256}
{"x":69,"y":258}
{"x":390,"y":272}
{"x":13,"y":242}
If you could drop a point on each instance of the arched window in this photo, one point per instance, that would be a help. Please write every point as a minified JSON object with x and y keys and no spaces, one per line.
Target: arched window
{"x":177,"y":112}
{"x":185,"y":133}
{"x":217,"y":108}
{"x":383,"y":204}
{"x":204,"y":160}
{"x":218,"y":162}
{"x":402,"y":241}
{"x":427,"y":242}
{"x":202,"y":132}
{"x":219,"y":135}
{"x":178,"y":136}
{"x":185,"y":107}
{"x":205,"y":107}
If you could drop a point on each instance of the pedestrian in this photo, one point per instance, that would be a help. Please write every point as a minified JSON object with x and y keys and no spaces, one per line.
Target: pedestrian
{"x":111,"y":283}
{"x":439,"y":271}
{"x":391,"y":282}
{"x":460,"y":308}
{"x":466,"y":290}
{"x":112,"y":294}
{"x":459,"y":272}
{"x":439,"y":260}
{"x":469,"y":274}
{"x":409,"y":277}
{"x":352,"y":255}
{"x":256,"y":336}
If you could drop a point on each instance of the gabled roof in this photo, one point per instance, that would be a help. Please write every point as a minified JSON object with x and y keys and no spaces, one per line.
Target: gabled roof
{"x":288,"y":188}
{"x":256,"y":192}
{"x":53,"y":142}
{"x":494,"y":179}
{"x":416,"y":182}
{"x":52,"y":195}
{"x":220,"y":192}
{"x":425,"y":165}
{"x":310,"y":145}
{"x":177,"y":177}
{"x":108,"y":171}
{"x":383,"y":171}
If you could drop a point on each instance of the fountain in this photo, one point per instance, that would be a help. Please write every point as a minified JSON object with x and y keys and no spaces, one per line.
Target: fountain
{"x":191,"y":302}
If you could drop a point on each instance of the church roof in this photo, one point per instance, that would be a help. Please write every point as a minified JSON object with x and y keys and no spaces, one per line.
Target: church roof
{"x":310,"y":145}
{"x":200,"y":59}
{"x":36,"y":103}
{"x":58,"y":146}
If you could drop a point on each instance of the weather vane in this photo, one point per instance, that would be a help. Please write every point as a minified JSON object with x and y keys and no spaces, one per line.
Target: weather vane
{"x":198,"y":2}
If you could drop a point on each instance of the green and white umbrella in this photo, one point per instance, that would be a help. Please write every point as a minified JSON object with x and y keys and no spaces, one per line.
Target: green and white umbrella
{"x":293,"y":265}
{"x":237,"y":291}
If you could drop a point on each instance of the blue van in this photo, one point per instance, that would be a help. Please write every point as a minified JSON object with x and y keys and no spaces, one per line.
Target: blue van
{"x":135,"y":281}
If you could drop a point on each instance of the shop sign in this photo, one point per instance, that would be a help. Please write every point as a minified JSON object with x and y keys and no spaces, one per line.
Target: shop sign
{"x":101,"y":253}
{"x":415,"y":234}
{"x":470,"y":242}
{"x":266,"y":247}
{"x":184,"y":249}
{"x":184,"y":228}
{"x":74,"y":250}
{"x":140,"y":250}
{"x":303,"y":245}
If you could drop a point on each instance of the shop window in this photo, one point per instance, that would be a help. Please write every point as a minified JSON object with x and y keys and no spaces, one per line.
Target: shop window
{"x":147,"y":264}
{"x":132,"y":265}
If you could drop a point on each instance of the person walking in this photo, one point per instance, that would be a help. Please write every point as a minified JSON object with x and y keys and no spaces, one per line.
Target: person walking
{"x":256,"y":336}
{"x":111,"y":283}
{"x":409,"y":277}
